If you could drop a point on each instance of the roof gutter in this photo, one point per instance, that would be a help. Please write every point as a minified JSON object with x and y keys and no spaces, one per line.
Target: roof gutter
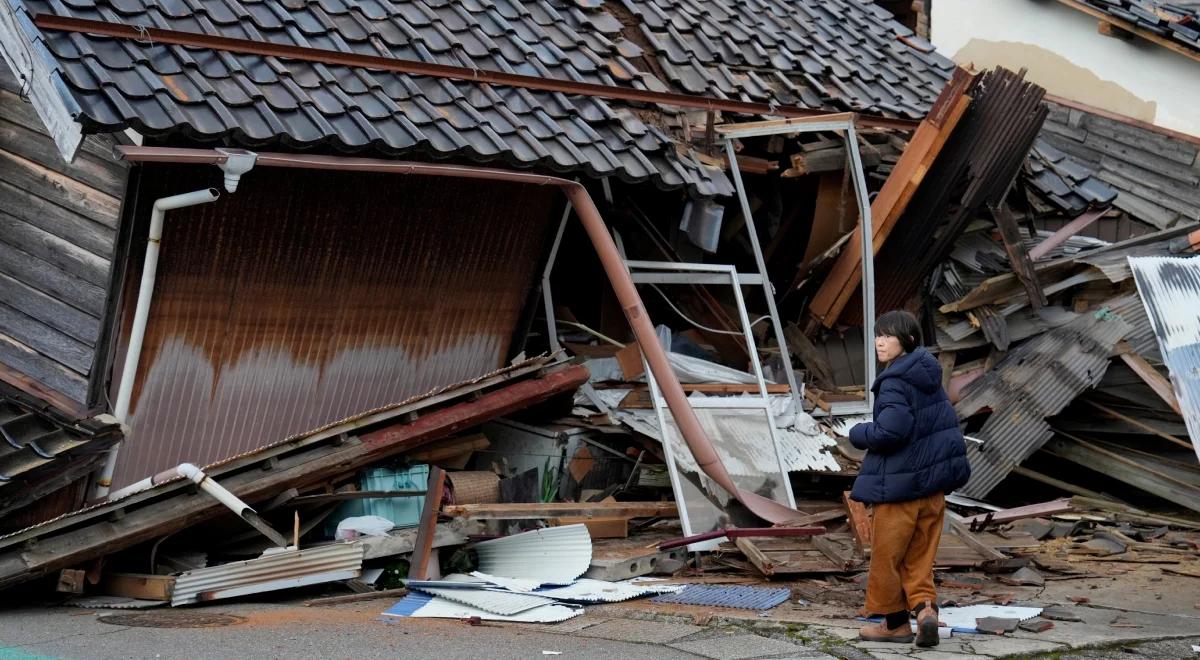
{"x":155,"y":35}
{"x":614,"y":267}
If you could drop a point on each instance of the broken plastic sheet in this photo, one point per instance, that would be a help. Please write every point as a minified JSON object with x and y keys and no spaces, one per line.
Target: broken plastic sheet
{"x":423,"y":605}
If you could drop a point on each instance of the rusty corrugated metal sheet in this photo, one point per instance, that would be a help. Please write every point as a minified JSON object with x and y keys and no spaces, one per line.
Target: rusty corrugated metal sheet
{"x":976,"y":168}
{"x":1035,"y":381}
{"x":308,"y":296}
{"x":1170,"y":289}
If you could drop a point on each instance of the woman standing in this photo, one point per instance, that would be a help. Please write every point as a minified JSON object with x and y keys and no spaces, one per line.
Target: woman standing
{"x":915,"y":454}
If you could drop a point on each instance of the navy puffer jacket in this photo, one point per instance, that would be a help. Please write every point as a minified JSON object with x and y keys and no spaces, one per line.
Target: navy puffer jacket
{"x":914,"y":447}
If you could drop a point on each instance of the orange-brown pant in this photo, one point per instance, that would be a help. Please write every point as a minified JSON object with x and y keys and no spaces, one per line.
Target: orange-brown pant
{"x":904,"y":543}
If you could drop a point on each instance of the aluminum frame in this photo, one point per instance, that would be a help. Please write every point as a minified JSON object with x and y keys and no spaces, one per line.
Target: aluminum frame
{"x":696,"y":273}
{"x":844,"y":123}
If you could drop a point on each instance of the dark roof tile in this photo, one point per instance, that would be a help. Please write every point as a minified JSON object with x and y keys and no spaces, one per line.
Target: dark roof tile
{"x":841,"y":56}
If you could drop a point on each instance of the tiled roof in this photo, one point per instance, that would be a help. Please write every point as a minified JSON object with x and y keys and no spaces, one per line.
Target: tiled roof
{"x":841,"y":54}
{"x":1065,"y":182}
{"x":831,"y":54}
{"x":35,"y":444}
{"x":1177,"y":22}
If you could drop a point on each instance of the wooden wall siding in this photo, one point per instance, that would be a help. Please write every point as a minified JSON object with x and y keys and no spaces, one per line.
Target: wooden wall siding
{"x":58,"y":227}
{"x":306,"y":297}
{"x":1158,"y":176}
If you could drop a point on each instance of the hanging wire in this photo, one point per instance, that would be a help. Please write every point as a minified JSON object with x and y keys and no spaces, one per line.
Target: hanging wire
{"x":595,"y":333}
{"x":701,"y":326}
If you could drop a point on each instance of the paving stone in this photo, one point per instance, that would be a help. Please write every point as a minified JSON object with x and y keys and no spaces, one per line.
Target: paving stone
{"x":844,"y":633}
{"x":630,"y":630}
{"x":934,"y":654}
{"x":1002,"y":646}
{"x":889,"y":656}
{"x":737,"y":647}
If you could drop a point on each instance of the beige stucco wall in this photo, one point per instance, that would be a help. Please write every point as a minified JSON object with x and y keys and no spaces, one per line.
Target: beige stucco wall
{"x":1064,"y":52}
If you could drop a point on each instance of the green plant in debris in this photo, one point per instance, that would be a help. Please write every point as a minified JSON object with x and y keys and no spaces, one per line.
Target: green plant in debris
{"x":393,"y":575}
{"x":549,"y":490}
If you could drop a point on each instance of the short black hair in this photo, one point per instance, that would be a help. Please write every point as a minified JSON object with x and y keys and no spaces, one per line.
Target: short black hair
{"x":903,"y":326}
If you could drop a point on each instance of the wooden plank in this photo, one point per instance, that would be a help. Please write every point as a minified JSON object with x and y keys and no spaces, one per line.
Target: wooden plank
{"x":1018,"y":257}
{"x":1125,"y":470}
{"x":108,"y":178}
{"x":325,"y":498}
{"x":51,"y":280}
{"x":833,"y":215}
{"x":629,"y":359}
{"x":141,"y":586}
{"x":860,"y":523}
{"x":54,"y":250}
{"x":946,"y":362}
{"x":51,"y":311}
{"x":450,"y":449}
{"x":814,"y":518}
{"x":61,"y":222}
{"x":1137,"y":423}
{"x":38,"y":375}
{"x":60,"y":189}
{"x":517,"y":511}
{"x":986,"y":551}
{"x":47,"y":341}
{"x":1019,"y":513}
{"x":927,"y":142}
{"x":1123,"y":119}
{"x":800,"y":346}
{"x":833,"y":552}
{"x":1152,"y":377}
{"x":755,"y":556}
{"x":71,"y":581}
{"x":423,"y":551}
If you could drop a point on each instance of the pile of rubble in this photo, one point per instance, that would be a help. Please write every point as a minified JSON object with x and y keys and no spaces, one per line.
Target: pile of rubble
{"x":642,"y":463}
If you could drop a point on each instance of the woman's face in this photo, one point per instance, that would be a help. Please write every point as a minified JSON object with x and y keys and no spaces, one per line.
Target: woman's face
{"x":887,"y":348}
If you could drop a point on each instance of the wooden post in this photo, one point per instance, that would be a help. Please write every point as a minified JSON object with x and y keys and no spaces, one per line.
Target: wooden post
{"x":418,"y":568}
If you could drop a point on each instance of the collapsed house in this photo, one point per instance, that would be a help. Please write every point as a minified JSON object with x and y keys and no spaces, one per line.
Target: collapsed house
{"x":312,"y":249}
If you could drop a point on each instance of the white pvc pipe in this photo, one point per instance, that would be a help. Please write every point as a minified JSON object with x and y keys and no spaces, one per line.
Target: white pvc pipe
{"x":137,"y":333}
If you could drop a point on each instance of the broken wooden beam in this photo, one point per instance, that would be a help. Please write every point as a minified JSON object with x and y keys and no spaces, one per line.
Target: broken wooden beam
{"x":927,"y":142}
{"x":423,"y":551}
{"x":1018,"y":257}
{"x":140,"y":586}
{"x":1157,"y":382}
{"x":1063,"y":505}
{"x":518,"y":511}
{"x":860,"y":523}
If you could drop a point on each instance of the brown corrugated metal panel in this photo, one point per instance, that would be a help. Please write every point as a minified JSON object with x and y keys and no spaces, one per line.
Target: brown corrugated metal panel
{"x":1034,"y":381}
{"x":58,"y":227}
{"x":307,"y":296}
{"x":975,"y":169}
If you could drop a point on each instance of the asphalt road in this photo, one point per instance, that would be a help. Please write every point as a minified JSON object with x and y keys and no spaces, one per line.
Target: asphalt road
{"x":275,"y":631}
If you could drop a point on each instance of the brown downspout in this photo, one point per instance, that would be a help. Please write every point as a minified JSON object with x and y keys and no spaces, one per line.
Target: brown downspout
{"x":614,"y":267}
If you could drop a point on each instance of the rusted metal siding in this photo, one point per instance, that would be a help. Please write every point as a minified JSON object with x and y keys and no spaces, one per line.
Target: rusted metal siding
{"x":309,"y":296}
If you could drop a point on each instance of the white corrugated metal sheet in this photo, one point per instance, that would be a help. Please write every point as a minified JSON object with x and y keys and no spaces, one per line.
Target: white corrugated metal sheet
{"x":586,"y":590}
{"x":421,"y":605}
{"x":271,"y":572}
{"x":1170,"y":290}
{"x":554,"y":555}
{"x":496,"y":602}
